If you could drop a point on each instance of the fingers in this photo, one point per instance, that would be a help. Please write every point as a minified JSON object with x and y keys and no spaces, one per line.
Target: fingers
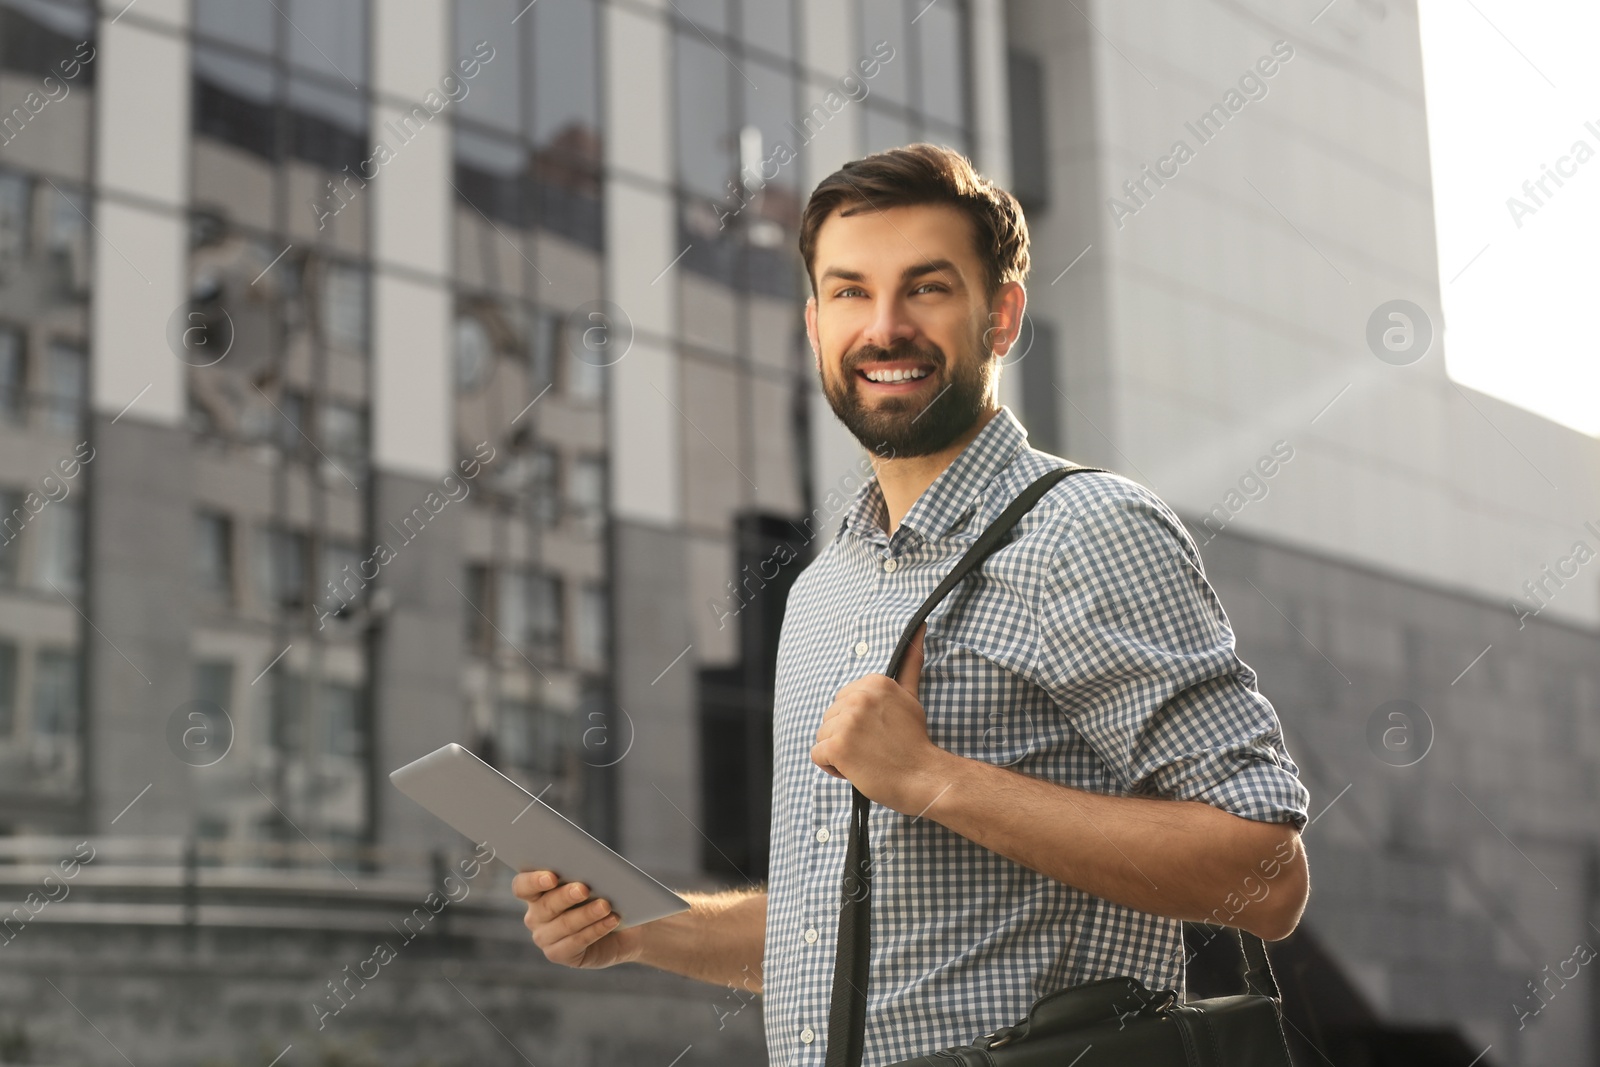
{"x":562,"y":920}
{"x":565,"y":936}
{"x":567,"y":939}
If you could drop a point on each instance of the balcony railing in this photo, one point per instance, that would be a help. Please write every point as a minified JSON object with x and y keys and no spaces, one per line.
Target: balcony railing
{"x":191,"y":882}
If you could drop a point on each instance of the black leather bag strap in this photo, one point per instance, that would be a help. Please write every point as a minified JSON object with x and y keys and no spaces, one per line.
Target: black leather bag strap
{"x":1258,"y":976}
{"x":847,"y":1012}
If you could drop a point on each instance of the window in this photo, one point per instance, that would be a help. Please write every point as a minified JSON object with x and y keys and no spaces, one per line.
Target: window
{"x":1030,"y":154}
{"x":13,"y":519}
{"x":341,"y":719}
{"x":60,"y":547}
{"x":15,"y":194}
{"x":587,"y":492}
{"x":591,"y":636}
{"x":68,"y":373}
{"x":214,"y":554}
{"x":13,"y":375}
{"x":479,"y":636}
{"x":344,"y":295}
{"x":532,"y":737}
{"x":57,"y":693}
{"x":529,"y":610}
{"x":285,"y":710}
{"x":341,"y":583}
{"x":213,"y":682}
{"x":8,"y":688}
{"x":282,"y":567}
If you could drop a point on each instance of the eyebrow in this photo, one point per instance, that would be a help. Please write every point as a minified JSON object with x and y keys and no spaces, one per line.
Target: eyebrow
{"x":916,"y":270}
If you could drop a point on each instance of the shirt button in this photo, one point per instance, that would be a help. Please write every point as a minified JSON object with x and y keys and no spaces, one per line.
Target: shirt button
{"x":822,"y":835}
{"x":811,"y":937}
{"x":808,"y":1035}
{"x":889,"y":565}
{"x":862,"y":648}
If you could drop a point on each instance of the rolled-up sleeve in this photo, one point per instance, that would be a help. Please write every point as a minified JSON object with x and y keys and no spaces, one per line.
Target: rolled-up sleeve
{"x":1137,"y":651}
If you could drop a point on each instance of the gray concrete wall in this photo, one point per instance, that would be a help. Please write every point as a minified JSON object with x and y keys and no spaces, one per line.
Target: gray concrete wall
{"x":1445,"y":886}
{"x":240,"y":998}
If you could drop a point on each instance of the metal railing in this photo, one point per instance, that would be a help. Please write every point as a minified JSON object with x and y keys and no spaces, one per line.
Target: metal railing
{"x":192,"y":882}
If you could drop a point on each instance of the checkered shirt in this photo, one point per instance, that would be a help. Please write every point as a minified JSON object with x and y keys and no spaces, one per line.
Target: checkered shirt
{"x":1090,"y":651}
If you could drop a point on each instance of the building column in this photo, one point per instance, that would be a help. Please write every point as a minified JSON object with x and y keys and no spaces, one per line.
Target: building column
{"x":137,"y":557}
{"x":658,"y":781}
{"x":417,"y":657}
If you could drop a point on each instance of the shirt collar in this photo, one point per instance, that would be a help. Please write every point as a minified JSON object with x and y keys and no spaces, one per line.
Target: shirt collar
{"x":953,"y":496}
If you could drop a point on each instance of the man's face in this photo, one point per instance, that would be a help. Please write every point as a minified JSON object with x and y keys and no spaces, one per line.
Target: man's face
{"x":901,"y":290}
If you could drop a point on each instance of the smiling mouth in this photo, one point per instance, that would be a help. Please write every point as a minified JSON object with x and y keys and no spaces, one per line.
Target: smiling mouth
{"x":898,"y":379}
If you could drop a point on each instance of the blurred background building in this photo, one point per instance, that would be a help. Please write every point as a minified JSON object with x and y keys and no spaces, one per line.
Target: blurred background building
{"x":374,"y":376}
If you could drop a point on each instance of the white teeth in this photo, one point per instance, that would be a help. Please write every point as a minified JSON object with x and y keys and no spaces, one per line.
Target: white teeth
{"x":895,"y":375}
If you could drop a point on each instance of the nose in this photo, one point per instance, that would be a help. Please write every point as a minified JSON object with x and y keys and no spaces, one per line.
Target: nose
{"x":890,"y":323}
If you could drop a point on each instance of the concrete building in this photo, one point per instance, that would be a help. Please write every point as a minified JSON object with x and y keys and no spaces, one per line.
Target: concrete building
{"x":378,"y":375}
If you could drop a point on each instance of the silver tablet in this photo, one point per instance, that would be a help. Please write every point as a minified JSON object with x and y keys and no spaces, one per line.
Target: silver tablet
{"x":529,"y":835}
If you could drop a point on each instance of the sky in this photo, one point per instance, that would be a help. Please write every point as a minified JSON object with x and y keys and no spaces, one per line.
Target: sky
{"x":1510,"y":85}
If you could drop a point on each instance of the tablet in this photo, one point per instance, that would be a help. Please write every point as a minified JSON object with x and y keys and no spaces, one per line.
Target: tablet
{"x":529,"y":835}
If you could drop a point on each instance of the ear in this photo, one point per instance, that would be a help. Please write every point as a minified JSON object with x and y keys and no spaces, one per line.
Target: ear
{"x":1005,"y":317}
{"x":811,"y":332}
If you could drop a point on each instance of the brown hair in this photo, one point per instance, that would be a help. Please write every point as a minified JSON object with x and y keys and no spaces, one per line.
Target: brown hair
{"x":925,"y":174}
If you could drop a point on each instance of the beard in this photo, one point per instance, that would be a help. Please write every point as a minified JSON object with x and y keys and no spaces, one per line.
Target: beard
{"x":919,"y":424}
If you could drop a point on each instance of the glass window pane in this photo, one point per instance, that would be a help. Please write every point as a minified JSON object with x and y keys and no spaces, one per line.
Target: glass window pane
{"x":885,"y":21}
{"x":13,"y":376}
{"x":341,"y":719}
{"x":489,"y":172}
{"x":566,"y":105}
{"x":768,"y":162}
{"x":706,"y":159}
{"x":949,"y":136}
{"x":57,"y":693}
{"x":709,"y":16}
{"x":234,"y":101}
{"x":328,"y":127}
{"x":213,"y":682}
{"x":60,"y":547}
{"x":247,"y":25}
{"x":67,"y":371}
{"x":8,"y":688}
{"x":328,"y":37}
{"x":214,"y":553}
{"x":285,"y":716}
{"x":592,"y":623}
{"x":37,"y":35}
{"x":941,"y":63}
{"x":344,"y":306}
{"x":16,"y":195}
{"x":478,"y":609}
{"x":768,"y":24}
{"x":884,"y":130}
{"x":495,"y":94}
{"x":13,"y":520}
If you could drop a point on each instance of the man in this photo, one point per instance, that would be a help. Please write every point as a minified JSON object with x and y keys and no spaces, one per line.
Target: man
{"x":1072,"y":759}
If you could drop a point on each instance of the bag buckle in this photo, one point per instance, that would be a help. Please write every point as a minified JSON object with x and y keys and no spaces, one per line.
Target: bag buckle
{"x":996,"y":1038}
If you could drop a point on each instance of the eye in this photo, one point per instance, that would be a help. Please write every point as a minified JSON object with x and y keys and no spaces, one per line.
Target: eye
{"x":929,"y":285}
{"x":847,"y":290}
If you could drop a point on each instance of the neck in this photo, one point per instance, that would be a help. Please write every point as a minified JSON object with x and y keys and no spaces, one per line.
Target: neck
{"x":905,"y":479}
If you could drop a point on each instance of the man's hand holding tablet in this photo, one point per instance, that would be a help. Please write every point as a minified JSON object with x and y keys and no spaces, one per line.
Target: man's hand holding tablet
{"x":571,"y":929}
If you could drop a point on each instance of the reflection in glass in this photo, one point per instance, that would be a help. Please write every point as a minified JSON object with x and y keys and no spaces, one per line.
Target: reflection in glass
{"x":706,"y":160}
{"x":328,"y":37}
{"x":885,"y":20}
{"x":768,"y":24}
{"x":246,"y":25}
{"x":941,"y":64}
